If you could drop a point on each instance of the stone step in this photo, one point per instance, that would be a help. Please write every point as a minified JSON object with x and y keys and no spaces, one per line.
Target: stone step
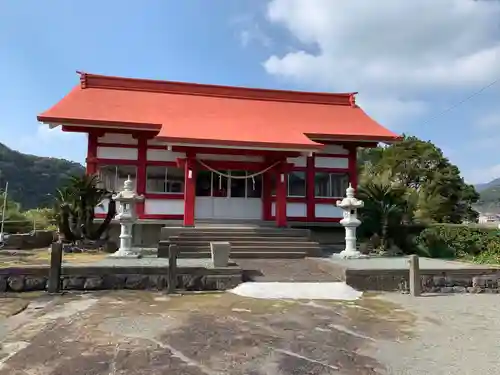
{"x":249,"y":255}
{"x":250,"y":245}
{"x":236,"y":234}
{"x":241,"y":241}
{"x":250,"y":248}
{"x":241,"y":233}
{"x":228,"y":228}
{"x":237,"y":239}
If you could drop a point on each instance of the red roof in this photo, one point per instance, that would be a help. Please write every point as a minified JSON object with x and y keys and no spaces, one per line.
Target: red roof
{"x":218,"y":115}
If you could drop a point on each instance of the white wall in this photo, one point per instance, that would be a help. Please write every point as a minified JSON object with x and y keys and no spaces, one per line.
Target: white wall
{"x":229,"y":157}
{"x":228,"y":208}
{"x":127,"y":139}
{"x":327,"y":162}
{"x":327,"y":210}
{"x":300,"y":161}
{"x":164,"y":206}
{"x":103,"y":209}
{"x":164,"y":155}
{"x":156,"y":142}
{"x":334,"y":149}
{"x":116,"y":153}
{"x":293,"y":209}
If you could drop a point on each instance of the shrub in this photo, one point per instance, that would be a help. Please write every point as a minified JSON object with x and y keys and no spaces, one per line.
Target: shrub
{"x":456,"y":240}
{"x":403,"y":236}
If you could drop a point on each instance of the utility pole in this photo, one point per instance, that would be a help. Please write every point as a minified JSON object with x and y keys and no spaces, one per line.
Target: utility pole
{"x":3,"y":210}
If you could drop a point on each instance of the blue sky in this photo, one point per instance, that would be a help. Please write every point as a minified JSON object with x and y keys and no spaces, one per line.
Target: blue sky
{"x":409,"y":60}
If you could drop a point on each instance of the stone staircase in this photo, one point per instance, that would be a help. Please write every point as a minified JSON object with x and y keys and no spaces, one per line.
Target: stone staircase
{"x":246,"y":242}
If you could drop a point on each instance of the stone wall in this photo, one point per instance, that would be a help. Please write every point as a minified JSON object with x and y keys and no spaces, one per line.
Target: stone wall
{"x":109,"y":278}
{"x":452,"y":281}
{"x":459,"y":284}
{"x":26,"y":241}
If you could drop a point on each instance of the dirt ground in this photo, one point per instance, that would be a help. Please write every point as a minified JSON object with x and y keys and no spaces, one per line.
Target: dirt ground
{"x":150,"y":333}
{"x":41,"y":257}
{"x":126,"y":332}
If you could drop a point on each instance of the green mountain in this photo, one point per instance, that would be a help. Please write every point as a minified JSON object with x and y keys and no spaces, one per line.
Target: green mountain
{"x":492,"y":184}
{"x":32,"y":179}
{"x":489,"y":200}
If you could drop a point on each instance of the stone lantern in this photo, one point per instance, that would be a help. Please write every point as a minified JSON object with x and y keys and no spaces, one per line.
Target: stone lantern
{"x":350,"y":205}
{"x":126,"y":201}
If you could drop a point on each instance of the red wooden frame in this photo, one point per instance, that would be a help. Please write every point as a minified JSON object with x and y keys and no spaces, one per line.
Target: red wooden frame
{"x":268,"y":158}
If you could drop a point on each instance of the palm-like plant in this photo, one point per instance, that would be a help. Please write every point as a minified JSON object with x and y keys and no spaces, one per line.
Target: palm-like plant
{"x":385,"y":206}
{"x":75,"y":205}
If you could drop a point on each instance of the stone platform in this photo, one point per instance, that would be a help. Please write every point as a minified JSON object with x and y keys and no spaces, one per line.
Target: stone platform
{"x":437,"y":275}
{"x":112,"y":273}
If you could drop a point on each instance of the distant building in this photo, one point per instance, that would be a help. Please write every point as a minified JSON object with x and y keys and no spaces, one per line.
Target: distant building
{"x":489,"y":218}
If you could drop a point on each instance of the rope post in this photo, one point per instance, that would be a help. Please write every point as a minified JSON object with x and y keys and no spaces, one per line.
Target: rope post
{"x":54,"y":284}
{"x":414,"y":273}
{"x":173,"y":252}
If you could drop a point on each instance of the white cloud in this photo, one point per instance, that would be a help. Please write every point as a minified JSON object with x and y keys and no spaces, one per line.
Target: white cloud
{"x":250,"y":31}
{"x":54,"y":143}
{"x":254,"y":34}
{"x":45,"y":133}
{"x":389,"y":110}
{"x":483,"y":175}
{"x":490,"y":121}
{"x":389,"y":49}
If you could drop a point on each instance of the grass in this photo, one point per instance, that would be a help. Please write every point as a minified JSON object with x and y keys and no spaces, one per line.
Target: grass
{"x":485,"y":257}
{"x":41,"y":257}
{"x":12,"y":306}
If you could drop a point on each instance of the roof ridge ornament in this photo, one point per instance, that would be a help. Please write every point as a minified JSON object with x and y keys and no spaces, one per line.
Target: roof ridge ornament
{"x":233,"y":92}
{"x":83,"y":79}
{"x":352,"y":99}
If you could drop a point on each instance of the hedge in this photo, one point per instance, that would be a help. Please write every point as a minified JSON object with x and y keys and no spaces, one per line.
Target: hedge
{"x":446,"y":240}
{"x":457,"y":241}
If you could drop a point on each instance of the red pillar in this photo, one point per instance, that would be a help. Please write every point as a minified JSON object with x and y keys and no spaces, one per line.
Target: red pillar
{"x":281,"y":186}
{"x":353,"y":166}
{"x":310,"y":188}
{"x":189,"y":191}
{"x":92,"y":153}
{"x":142,"y":151}
{"x":266,"y":193}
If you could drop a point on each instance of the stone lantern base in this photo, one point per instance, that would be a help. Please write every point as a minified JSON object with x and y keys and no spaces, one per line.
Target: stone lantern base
{"x":125,"y":255}
{"x":344,"y":254}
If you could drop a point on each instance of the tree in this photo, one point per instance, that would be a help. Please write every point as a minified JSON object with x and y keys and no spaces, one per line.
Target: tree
{"x":386,"y":205}
{"x":75,"y":206}
{"x":32,"y":179}
{"x":15,"y":220}
{"x":41,"y":218}
{"x":434,"y":185}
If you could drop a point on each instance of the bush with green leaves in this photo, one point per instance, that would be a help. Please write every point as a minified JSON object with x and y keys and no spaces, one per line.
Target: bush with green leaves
{"x":15,"y":220}
{"x":457,"y":241}
{"x":75,"y":209}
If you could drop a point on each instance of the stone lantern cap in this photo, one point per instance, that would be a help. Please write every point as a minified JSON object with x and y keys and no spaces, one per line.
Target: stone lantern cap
{"x":350,"y":202}
{"x":128,"y":193}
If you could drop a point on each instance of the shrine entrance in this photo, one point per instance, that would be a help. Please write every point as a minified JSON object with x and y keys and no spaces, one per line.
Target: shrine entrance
{"x":228,"y":195}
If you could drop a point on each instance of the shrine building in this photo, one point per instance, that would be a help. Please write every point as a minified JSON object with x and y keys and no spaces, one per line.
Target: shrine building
{"x":201,"y":152}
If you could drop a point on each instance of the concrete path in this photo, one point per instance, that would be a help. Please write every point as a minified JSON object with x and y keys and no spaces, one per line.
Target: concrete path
{"x":309,"y":269}
{"x":453,"y":335}
{"x":401,"y":263}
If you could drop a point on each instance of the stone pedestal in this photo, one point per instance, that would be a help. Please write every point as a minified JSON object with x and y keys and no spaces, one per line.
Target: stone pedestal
{"x":127,"y":200}
{"x":220,"y":253}
{"x":351,"y":250}
{"x":126,"y":250}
